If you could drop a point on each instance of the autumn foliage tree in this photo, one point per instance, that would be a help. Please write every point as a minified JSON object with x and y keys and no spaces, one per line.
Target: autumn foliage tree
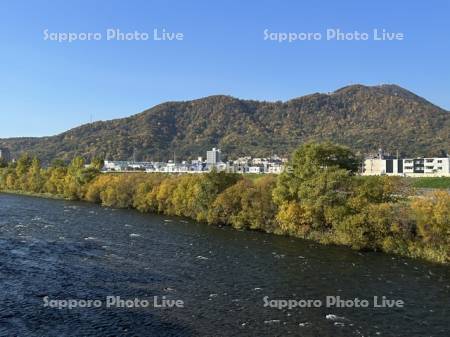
{"x":319,"y":196}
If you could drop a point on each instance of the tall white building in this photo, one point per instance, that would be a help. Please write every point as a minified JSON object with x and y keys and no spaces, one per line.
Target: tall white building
{"x":213,"y":157}
{"x":5,"y":154}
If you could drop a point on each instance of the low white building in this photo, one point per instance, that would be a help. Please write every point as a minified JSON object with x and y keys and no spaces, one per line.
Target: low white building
{"x":275,"y":169}
{"x":256,"y":169}
{"x":411,"y":167}
{"x":115,"y":165}
{"x":126,"y":166}
{"x":272,"y":165}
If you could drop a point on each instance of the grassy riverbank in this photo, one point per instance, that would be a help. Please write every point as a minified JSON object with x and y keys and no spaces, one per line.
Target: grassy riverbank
{"x":431,"y":182}
{"x":318,"y":199}
{"x":34,"y":194}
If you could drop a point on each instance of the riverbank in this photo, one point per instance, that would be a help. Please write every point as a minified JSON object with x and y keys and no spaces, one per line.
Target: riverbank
{"x":431,"y":183}
{"x":438,"y":254}
{"x":320,"y":199}
{"x":34,"y":194}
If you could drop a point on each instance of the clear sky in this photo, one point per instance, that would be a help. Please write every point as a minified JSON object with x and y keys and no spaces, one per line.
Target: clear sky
{"x":48,"y":86}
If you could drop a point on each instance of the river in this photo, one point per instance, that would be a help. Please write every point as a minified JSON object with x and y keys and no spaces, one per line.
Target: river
{"x":53,"y":251}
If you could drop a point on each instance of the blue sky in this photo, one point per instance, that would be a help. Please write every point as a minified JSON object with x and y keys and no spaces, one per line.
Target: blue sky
{"x":48,"y":87}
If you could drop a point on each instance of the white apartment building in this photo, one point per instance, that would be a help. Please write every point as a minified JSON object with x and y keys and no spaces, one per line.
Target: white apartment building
{"x":411,"y":167}
{"x":275,"y":169}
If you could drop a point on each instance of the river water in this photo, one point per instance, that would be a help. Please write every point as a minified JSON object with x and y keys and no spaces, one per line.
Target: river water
{"x":55,"y":250}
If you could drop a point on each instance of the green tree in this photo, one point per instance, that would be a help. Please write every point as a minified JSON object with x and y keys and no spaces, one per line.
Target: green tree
{"x":307,"y":162}
{"x":313,"y":191}
{"x":35,"y":177}
{"x":3,"y":163}
{"x":97,"y":163}
{"x":73,"y":180}
{"x":146,"y":192}
{"x":55,"y":181}
{"x":246,"y":204}
{"x":432,"y":215}
{"x":209,"y":188}
{"x":23,"y":164}
{"x":22,"y":167}
{"x":58,"y":163}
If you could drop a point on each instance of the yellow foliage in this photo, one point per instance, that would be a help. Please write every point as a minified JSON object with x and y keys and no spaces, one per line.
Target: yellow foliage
{"x":432,"y":215}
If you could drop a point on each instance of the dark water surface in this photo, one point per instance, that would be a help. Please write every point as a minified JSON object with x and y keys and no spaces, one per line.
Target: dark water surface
{"x":73,"y":250}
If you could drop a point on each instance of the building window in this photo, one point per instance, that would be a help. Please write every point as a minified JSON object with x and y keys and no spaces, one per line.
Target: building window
{"x":389,"y":166}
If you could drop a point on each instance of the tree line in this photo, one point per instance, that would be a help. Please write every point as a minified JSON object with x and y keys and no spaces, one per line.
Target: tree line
{"x":319,"y":198}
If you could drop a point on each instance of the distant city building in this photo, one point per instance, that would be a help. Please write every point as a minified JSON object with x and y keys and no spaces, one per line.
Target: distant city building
{"x":275,"y":169}
{"x":379,"y":164}
{"x":255,"y":169}
{"x":243,"y":161}
{"x":213,"y":157}
{"x":411,"y":167}
{"x":126,"y":165}
{"x":273,"y":165}
{"x":5,"y":154}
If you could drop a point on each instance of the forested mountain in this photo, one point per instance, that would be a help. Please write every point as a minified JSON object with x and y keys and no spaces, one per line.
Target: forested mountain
{"x":362,"y":117}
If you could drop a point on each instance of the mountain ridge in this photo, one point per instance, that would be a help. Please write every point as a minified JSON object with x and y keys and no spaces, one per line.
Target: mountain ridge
{"x":362,"y":117}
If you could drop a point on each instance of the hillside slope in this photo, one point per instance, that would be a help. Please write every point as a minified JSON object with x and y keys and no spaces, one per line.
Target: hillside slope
{"x":364,"y":118}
